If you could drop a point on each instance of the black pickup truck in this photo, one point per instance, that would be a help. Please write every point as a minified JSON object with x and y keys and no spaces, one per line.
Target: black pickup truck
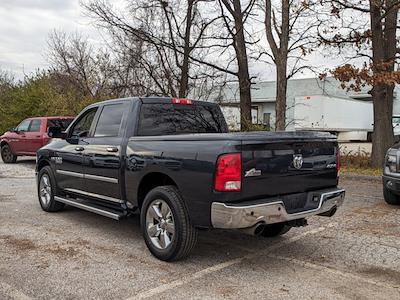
{"x":174,"y":161}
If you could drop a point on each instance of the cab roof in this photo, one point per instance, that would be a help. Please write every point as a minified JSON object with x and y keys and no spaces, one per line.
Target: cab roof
{"x":51,"y":118}
{"x":149,"y":100}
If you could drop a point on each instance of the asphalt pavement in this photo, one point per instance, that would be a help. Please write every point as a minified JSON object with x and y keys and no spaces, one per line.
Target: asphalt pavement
{"x":75,"y":254}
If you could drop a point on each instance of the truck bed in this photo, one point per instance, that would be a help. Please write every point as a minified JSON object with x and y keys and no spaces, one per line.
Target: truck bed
{"x":263,"y":136}
{"x":190,"y":160}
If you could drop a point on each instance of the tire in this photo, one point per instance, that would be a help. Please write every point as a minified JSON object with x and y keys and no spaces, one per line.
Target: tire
{"x":274,"y":230}
{"x":390,"y":197}
{"x":165,"y":224}
{"x":7,"y":156}
{"x":46,"y":187}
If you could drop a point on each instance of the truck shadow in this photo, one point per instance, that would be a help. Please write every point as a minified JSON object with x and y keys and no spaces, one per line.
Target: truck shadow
{"x":212,"y":245}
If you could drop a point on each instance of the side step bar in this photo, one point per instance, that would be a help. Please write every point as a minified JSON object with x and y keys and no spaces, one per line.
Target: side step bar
{"x":104,"y":211}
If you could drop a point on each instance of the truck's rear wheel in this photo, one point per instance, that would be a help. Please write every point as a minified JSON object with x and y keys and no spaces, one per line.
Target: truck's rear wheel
{"x":7,"y":156}
{"x":165,"y":224}
{"x":390,"y":197}
{"x":47,"y":190}
{"x":273,"y":230}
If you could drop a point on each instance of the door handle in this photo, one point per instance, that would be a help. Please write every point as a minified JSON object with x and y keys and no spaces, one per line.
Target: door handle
{"x":112,"y":149}
{"x":79,"y":149}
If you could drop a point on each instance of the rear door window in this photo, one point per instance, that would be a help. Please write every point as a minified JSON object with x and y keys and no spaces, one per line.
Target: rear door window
{"x":62,"y":123}
{"x":35,"y":125}
{"x":169,"y":119}
{"x":110,"y":120}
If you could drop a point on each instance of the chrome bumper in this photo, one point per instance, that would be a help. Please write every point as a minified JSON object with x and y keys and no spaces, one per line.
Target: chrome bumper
{"x":243,"y":216}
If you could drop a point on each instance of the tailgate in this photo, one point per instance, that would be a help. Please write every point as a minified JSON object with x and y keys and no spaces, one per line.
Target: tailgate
{"x":287,"y":167}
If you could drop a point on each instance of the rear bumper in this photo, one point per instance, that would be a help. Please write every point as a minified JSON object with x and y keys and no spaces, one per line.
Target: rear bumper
{"x":244,"y":216}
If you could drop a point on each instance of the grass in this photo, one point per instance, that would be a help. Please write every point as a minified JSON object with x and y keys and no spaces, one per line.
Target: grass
{"x":357,"y":162}
{"x":361,"y":171}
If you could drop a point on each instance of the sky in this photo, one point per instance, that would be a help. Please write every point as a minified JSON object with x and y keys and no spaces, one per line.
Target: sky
{"x":26,"y":24}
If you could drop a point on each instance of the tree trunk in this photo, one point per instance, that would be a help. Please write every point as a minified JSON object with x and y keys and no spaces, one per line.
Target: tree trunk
{"x":280,"y":54}
{"x":382,"y":138}
{"x":184,"y":80}
{"x":383,"y":40}
{"x":243,"y":69}
{"x":245,"y":102}
{"x":280,"y":103}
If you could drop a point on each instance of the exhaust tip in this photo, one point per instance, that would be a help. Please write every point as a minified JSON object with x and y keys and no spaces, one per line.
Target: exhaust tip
{"x":256,"y":230}
{"x":333,"y":211}
{"x":329,"y":213}
{"x":259,"y":229}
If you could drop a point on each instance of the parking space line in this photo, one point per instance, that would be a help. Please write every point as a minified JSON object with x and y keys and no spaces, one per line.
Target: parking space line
{"x":179,"y":282}
{"x":333,"y":271}
{"x":11,"y":292}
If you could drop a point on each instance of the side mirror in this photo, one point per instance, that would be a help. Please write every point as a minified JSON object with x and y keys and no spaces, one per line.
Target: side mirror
{"x":56,"y":132}
{"x":15,"y":130}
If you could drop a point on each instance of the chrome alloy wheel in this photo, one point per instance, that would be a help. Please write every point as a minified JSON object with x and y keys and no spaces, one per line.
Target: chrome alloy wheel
{"x":45,"y":189}
{"x":160,"y":225}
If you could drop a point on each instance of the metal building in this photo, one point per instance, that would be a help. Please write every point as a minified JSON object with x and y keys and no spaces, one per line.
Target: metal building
{"x":312,"y":104}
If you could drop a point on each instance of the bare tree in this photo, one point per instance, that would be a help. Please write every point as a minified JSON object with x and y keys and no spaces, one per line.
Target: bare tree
{"x":376,"y":42}
{"x":169,"y":34}
{"x":289,"y":29}
{"x":234,"y":17}
{"x":186,"y":41}
{"x":88,"y":70}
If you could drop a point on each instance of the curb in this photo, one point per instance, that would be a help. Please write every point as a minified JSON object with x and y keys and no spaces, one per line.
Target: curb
{"x":356,"y":176}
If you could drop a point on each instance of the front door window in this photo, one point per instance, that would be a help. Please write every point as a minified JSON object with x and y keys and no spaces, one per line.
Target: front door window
{"x":82,"y":127}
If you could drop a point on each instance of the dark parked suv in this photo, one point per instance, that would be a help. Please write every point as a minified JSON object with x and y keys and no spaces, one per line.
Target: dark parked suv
{"x":175,"y":162}
{"x":391,"y":176}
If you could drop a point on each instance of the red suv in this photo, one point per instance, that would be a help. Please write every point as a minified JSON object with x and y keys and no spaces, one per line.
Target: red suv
{"x":29,"y":136}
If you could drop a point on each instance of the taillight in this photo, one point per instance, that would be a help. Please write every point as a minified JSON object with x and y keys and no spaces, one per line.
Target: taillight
{"x":338,"y":161}
{"x":228,"y":177}
{"x":182,"y":101}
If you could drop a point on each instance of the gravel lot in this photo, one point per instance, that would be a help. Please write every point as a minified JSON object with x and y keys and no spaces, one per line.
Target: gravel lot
{"x":78,"y":255}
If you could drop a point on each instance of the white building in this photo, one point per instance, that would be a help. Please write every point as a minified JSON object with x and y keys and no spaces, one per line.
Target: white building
{"x":312,"y":104}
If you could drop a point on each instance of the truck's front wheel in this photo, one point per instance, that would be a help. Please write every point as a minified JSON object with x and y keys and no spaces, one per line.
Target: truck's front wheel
{"x":46,"y":191}
{"x":165,"y":224}
{"x":390,"y":197}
